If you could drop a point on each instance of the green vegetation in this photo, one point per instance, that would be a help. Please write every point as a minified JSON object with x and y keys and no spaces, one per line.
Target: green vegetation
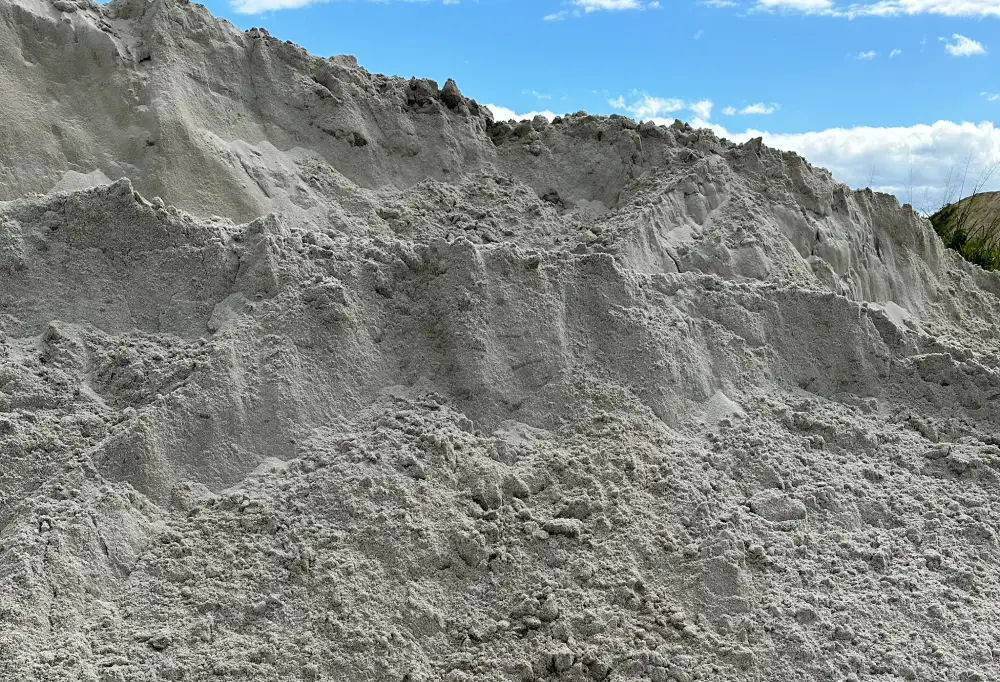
{"x":966,"y":230}
{"x":971,"y":226}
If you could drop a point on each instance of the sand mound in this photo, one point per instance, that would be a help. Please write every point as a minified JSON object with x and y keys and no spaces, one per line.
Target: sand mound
{"x":311,"y":373}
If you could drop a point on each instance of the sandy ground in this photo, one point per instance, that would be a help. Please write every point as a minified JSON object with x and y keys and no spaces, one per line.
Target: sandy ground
{"x":311,"y":373}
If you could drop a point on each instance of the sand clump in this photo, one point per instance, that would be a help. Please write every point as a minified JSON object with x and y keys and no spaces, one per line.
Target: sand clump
{"x":311,"y":373}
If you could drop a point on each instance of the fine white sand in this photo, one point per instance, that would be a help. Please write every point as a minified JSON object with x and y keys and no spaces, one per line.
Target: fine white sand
{"x":308,"y":373}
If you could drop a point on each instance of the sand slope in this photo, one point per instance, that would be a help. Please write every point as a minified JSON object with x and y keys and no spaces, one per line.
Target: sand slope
{"x":310,"y":373}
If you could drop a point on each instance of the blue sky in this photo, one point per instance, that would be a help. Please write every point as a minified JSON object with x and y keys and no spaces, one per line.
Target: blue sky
{"x":900,"y":91}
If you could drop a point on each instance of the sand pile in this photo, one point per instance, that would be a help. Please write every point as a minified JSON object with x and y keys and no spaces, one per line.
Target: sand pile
{"x":310,"y":373}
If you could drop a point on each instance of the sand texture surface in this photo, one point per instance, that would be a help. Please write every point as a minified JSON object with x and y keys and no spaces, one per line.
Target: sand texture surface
{"x":308,"y":373}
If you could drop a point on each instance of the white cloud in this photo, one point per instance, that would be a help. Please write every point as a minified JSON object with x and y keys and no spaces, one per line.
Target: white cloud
{"x":895,"y":53}
{"x":962,"y":46}
{"x":702,"y":109}
{"x":261,"y":6}
{"x":991,"y":96}
{"x":759,"y":108}
{"x":913,"y":162}
{"x":948,"y":8}
{"x":647,"y":106}
{"x":884,"y":8}
{"x":614,"y":5}
{"x":582,"y":7}
{"x":644,"y":106}
{"x":505,"y":114}
{"x":808,"y":6}
{"x":867,"y":56}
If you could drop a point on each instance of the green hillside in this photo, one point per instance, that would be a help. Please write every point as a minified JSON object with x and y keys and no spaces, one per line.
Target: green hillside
{"x":972,"y":227}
